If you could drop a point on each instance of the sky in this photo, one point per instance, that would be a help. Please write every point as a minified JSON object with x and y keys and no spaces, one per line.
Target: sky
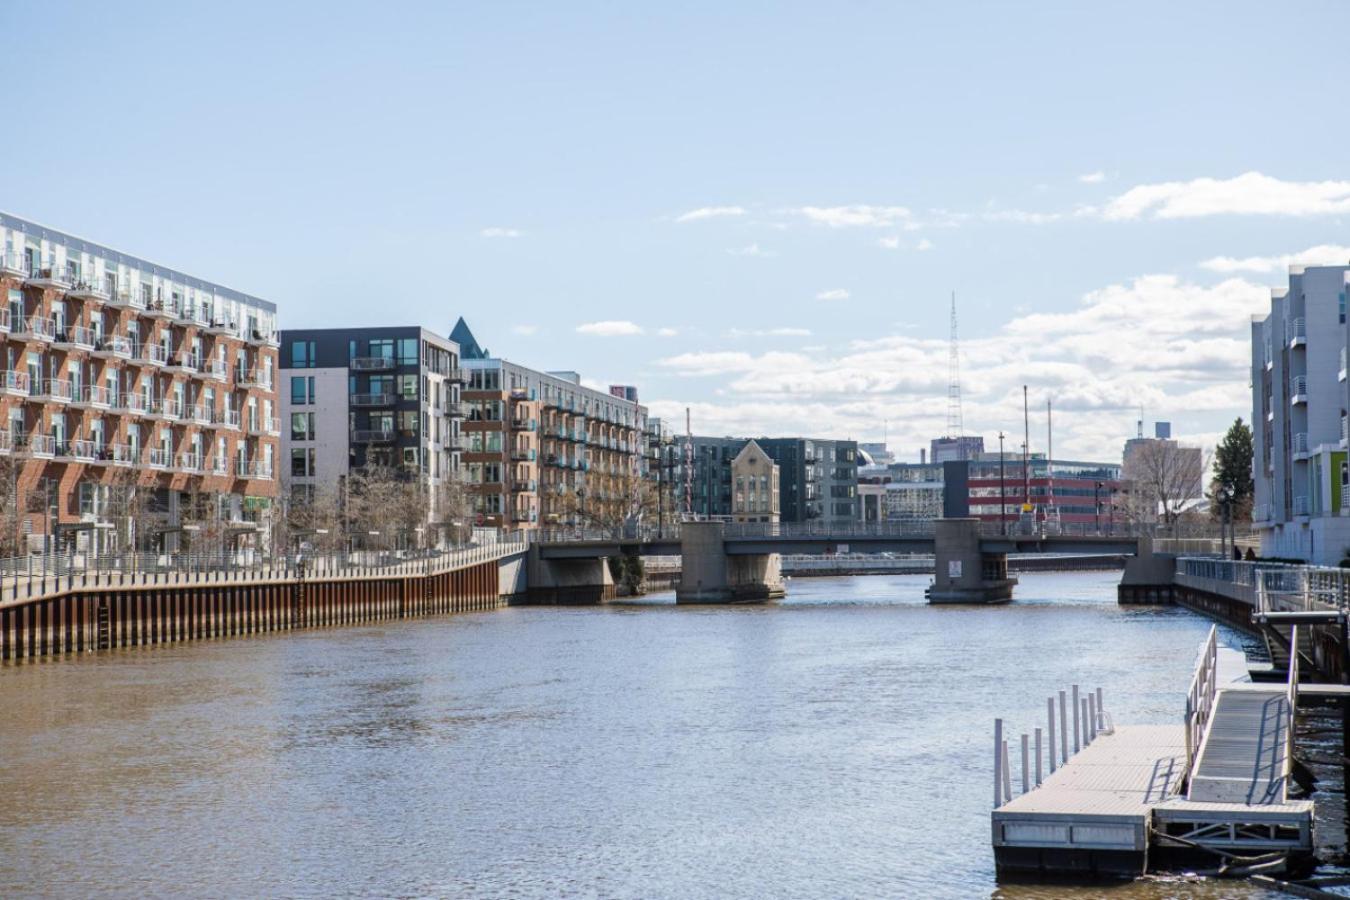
{"x":755,"y":211}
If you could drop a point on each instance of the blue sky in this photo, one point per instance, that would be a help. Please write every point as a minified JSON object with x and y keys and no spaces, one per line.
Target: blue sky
{"x":756,"y":210}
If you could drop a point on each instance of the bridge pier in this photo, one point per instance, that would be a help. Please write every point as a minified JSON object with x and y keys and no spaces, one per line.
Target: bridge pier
{"x":567,"y":582}
{"x":964,"y":573}
{"x":708,"y":574}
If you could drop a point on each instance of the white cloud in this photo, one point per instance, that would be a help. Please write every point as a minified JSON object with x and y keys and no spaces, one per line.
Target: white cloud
{"x":498,"y":232}
{"x":1179,"y":348}
{"x":667,"y":332}
{"x":833,"y":294}
{"x":924,"y":244}
{"x":525,"y":329}
{"x":1251,"y":193}
{"x":858,"y":215}
{"x":751,"y":250}
{"x":769,"y":332}
{"x":710,"y":212}
{"x":609,"y":328}
{"x":891,"y":242}
{"x":1092,"y":177}
{"x":1321,"y":255}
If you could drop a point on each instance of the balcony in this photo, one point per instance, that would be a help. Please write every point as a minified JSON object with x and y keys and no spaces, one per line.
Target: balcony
{"x":215,"y":369}
{"x":261,"y":338}
{"x":454,"y":443}
{"x":136,"y":404}
{"x":120,"y":454}
{"x":456,"y":376}
{"x":188,"y":315}
{"x":257,"y":425}
{"x":257,"y":378}
{"x":368,"y":400}
{"x":373,"y":435}
{"x":41,"y":446}
{"x":1298,"y":333}
{"x":115,"y":347}
{"x":34,"y":329}
{"x":167,"y":408}
{"x":231,"y":419}
{"x":254,"y":469}
{"x":158,"y":309}
{"x":457,"y":409}
{"x":1301,"y":445}
{"x":372,"y":363}
{"x":96,"y":397}
{"x":74,"y":337}
{"x":159,"y":458}
{"x":524,"y":425}
{"x":14,"y":384}
{"x":129,"y":297}
{"x":201,"y":414}
{"x":186,"y":363}
{"x":1300,"y":505}
{"x":51,"y":276}
{"x":152,"y":355}
{"x":54,"y":390}
{"x":522,"y":454}
{"x":190,"y":462}
{"x":1298,"y":390}
{"x":220,"y":466}
{"x":95,"y":288}
{"x":12,"y":262}
{"x":524,"y":486}
{"x":76,"y":451}
{"x":220,"y":327}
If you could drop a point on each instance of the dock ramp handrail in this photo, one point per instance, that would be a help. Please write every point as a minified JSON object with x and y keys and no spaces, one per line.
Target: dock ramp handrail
{"x":1291,"y":700}
{"x":1200,"y":698}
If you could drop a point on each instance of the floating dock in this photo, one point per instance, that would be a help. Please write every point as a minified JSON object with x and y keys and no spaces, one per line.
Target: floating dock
{"x":1215,"y":783}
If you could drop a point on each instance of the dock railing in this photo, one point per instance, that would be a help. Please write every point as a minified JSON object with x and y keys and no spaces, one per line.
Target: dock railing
{"x":1291,"y":699}
{"x":1081,"y":719}
{"x":1200,"y":698}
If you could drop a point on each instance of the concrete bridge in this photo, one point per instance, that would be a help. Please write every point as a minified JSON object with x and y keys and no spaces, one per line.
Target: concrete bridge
{"x":730,"y":562}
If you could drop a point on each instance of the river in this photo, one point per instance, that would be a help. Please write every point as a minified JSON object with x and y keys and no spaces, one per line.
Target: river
{"x":836,"y":743}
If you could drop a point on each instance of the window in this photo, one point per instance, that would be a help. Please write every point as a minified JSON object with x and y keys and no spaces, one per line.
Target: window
{"x":302,"y":426}
{"x":407,"y":352}
{"x":302,"y":390}
{"x":382,"y":349}
{"x":302,"y":462}
{"x":302,"y":355}
{"x":407,"y":423}
{"x":407,"y":387}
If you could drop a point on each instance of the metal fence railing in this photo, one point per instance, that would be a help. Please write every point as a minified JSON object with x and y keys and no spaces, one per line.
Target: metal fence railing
{"x":1276,"y":586}
{"x":40,"y":575}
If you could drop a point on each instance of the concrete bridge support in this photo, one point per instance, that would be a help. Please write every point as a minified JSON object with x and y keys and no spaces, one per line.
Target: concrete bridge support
{"x":709,"y":575}
{"x":565,"y":582}
{"x":964,"y":573}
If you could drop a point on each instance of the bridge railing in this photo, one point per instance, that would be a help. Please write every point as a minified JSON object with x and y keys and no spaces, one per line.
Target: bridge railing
{"x":32,"y":577}
{"x":1200,"y":697}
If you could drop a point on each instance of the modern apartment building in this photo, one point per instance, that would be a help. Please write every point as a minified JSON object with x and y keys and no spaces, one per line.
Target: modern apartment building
{"x":1301,"y":507}
{"x":818,"y":479}
{"x":541,"y":448}
{"x":383,"y":396}
{"x":139,"y":403}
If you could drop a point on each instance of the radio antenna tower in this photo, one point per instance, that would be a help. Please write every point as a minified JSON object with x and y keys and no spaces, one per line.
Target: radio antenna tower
{"x":955,"y":425}
{"x":688,"y":467}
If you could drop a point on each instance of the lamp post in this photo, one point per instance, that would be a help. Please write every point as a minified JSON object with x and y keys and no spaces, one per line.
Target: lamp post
{"x":1002,"y":491}
{"x":1097,"y":506}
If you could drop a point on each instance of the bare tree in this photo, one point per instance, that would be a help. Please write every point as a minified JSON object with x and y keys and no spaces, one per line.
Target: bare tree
{"x":452,"y":510}
{"x":386,"y":507}
{"x":1162,"y":478}
{"x":313,"y":514}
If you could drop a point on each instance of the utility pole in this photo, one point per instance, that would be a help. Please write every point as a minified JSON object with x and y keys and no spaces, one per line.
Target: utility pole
{"x":688,"y":466}
{"x":1026,"y":453}
{"x":1002,"y":491}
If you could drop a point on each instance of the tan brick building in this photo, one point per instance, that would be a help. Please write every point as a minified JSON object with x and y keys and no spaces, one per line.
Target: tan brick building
{"x":138,"y":403}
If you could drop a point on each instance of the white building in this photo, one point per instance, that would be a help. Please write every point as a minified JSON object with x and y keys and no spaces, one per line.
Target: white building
{"x":1301,"y":506}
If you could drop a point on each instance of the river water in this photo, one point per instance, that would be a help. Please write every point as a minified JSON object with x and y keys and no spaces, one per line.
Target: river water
{"x":837,"y":743}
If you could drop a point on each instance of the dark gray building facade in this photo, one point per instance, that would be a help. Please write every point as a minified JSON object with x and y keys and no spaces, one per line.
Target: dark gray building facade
{"x":818,"y":479}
